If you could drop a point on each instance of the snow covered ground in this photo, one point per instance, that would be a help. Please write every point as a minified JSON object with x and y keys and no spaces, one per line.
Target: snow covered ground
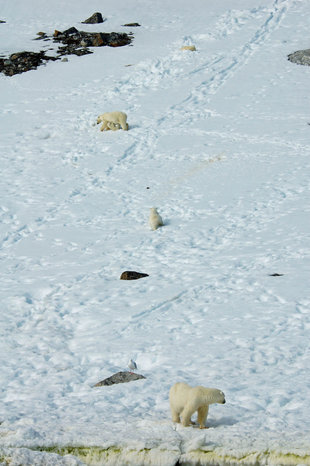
{"x":219,"y":142}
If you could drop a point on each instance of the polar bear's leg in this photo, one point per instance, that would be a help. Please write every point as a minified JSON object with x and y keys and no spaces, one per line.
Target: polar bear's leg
{"x":202,"y":416}
{"x":175,"y":416}
{"x":105,"y":126}
{"x":123,"y":121}
{"x":187,"y":414}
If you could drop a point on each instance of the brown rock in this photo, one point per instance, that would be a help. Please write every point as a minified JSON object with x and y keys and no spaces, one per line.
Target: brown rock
{"x":131,"y":275}
{"x":97,"y":40}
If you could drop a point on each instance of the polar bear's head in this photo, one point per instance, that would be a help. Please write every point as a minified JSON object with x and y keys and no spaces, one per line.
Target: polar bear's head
{"x":213,"y":395}
{"x":221,"y":397}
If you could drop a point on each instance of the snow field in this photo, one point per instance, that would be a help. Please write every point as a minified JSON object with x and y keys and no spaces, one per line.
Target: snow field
{"x":218,"y":141}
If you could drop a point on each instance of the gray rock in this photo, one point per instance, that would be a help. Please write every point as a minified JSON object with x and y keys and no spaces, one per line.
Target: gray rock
{"x":120,"y":377}
{"x":132,"y":25}
{"x":95,"y":19}
{"x":301,"y":57}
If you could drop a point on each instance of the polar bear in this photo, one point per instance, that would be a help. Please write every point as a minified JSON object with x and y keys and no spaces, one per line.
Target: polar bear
{"x":113,"y":120}
{"x":185,"y":400}
{"x":192,"y":48}
{"x":155,"y":219}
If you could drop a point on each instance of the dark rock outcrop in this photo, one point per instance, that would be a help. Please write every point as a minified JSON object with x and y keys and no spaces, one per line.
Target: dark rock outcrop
{"x":131,"y":275}
{"x":73,"y":42}
{"x":23,"y":61}
{"x":301,"y":57}
{"x":96,"y":18}
{"x":120,"y":377}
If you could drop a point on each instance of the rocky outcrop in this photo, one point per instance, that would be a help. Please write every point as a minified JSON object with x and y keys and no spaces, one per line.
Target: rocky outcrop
{"x":120,"y":377}
{"x":301,"y":57}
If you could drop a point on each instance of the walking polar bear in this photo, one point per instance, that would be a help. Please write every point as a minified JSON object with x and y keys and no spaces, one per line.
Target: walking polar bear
{"x":113,"y":121}
{"x":155,"y":219}
{"x":185,"y":400}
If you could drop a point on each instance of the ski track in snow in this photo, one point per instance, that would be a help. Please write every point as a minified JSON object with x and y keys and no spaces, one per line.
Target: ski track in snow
{"x":71,"y":280}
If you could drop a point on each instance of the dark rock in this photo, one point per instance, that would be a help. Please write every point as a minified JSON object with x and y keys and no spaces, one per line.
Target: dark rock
{"x":131,"y":275}
{"x":95,"y":19}
{"x":120,"y":377}
{"x":72,"y":50}
{"x":70,"y":31}
{"x":132,"y":25}
{"x":23,"y":61}
{"x":301,"y":57}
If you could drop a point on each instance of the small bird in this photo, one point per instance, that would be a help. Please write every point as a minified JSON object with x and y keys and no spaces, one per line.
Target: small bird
{"x":132,"y":365}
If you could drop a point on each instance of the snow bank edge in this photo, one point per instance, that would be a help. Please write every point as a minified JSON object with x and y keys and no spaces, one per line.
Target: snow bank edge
{"x":112,"y":456}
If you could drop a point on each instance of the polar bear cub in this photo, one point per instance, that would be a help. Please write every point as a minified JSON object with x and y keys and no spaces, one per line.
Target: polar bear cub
{"x":113,"y":120}
{"x":155,"y":219}
{"x":185,"y":400}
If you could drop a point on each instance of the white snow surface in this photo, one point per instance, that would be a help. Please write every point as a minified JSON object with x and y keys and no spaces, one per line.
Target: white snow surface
{"x":219,"y":142}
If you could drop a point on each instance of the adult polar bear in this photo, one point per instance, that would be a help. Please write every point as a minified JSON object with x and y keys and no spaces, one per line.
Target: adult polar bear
{"x":113,"y":120}
{"x":185,"y":400}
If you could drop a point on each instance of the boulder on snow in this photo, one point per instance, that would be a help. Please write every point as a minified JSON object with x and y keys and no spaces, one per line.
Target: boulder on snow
{"x":96,"y":18}
{"x":301,"y":57}
{"x":120,"y":377}
{"x":131,"y":275}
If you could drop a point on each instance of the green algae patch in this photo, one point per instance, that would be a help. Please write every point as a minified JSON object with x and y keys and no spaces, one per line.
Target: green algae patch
{"x":272,"y":458}
{"x":89,"y":455}
{"x":95,"y":456}
{"x":113,"y":455}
